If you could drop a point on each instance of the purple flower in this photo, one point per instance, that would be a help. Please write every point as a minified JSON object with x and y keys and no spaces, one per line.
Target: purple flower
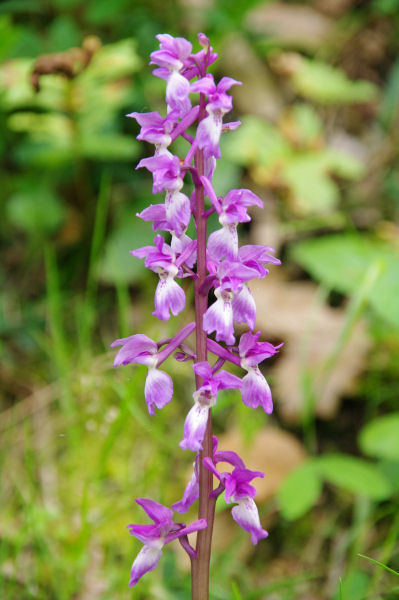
{"x":220,"y":315}
{"x":166,"y":172}
{"x":197,"y":64}
{"x":191,"y":492}
{"x":179,"y":244}
{"x":156,"y":129}
{"x":256,"y":256}
{"x":238,"y":489}
{"x":171,"y":58}
{"x":161,"y":259}
{"x":204,"y":399}
{"x":175,"y":214}
{"x":141,"y":350}
{"x":255,"y":390}
{"x":234,"y":301}
{"x":155,"y":537}
{"x":219,"y":103}
{"x":232,"y":209}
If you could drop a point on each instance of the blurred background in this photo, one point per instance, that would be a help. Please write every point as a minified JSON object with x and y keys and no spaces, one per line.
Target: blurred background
{"x":319,"y":107}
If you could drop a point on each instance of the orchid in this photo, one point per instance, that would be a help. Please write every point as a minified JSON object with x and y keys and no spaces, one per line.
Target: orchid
{"x":204,"y":398}
{"x":161,"y":259}
{"x":236,"y":487}
{"x":219,"y":103}
{"x":255,"y":390}
{"x":218,"y":263}
{"x":155,"y":537}
{"x":156,"y":129}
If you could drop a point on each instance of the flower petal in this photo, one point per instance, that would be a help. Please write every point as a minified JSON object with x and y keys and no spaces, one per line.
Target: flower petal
{"x":226,"y":380}
{"x":158,"y":389}
{"x":246,"y":515}
{"x":146,"y":560}
{"x":203,"y":369}
{"x":244,"y":307}
{"x":147,"y":534}
{"x":156,"y":511}
{"x":255,"y":391}
{"x":137,"y":348}
{"x":195,"y":526}
{"x":191,"y":494}
{"x":177,"y":90}
{"x":169,"y":296}
{"x":219,"y":318}
{"x":208,"y":134}
{"x":178,"y":211}
{"x":223,"y":243}
{"x":194,"y":427}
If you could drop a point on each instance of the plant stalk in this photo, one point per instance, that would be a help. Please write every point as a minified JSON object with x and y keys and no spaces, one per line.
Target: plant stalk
{"x":200,"y":563}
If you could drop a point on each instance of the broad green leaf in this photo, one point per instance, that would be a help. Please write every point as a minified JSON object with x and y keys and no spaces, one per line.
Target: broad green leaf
{"x":43,"y":127}
{"x":340,"y":262}
{"x":113,"y":61}
{"x":118,"y":265}
{"x":329,"y":85}
{"x":8,"y":35}
{"x":63,"y":33}
{"x":390,"y":468}
{"x":226,"y":177}
{"x":342,"y":164}
{"x":299,"y":492}
{"x":353,"y":586}
{"x":354,"y":475}
{"x":256,"y":142}
{"x":312,"y":190}
{"x":37,"y":212}
{"x":108,"y":147}
{"x":380,"y":437}
{"x":302,"y":125}
{"x":308,"y":176}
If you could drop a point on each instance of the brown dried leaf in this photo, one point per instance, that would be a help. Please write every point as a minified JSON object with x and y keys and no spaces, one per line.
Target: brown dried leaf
{"x":273,"y":451}
{"x":292,"y":24}
{"x":259,"y":94}
{"x":294,"y":312}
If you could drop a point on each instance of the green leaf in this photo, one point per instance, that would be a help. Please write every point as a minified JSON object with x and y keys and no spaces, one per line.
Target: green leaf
{"x":113,"y":61}
{"x":256,"y":142}
{"x":312,"y":190}
{"x":342,"y":164}
{"x":354,"y":586}
{"x":299,"y":492}
{"x":390,"y":468}
{"x":118,"y":265}
{"x":63,"y":34}
{"x":303,"y":125}
{"x":37,"y":213}
{"x":108,"y":147}
{"x":308,"y":176}
{"x":340,"y":261}
{"x":379,"y":564}
{"x":328,"y":85}
{"x":389,"y":109}
{"x":380,"y":437}
{"x":354,"y":475}
{"x":53,"y":127}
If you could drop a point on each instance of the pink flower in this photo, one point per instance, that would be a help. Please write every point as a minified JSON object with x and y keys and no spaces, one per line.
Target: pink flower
{"x":155,"y":537}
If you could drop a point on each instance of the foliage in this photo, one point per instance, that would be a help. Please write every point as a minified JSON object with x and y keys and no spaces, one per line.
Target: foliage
{"x":321,"y":147}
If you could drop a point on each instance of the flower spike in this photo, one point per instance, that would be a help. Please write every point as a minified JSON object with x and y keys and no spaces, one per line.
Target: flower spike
{"x":216,"y":265}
